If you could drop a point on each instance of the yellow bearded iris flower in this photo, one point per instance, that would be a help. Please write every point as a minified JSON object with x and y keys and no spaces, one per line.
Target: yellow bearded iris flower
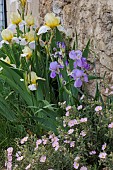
{"x":30,"y":36}
{"x":15,"y":18}
{"x":28,"y":52}
{"x":32,"y":77}
{"x":52,"y":21}
{"x":7,"y":35}
{"x":29,"y":19}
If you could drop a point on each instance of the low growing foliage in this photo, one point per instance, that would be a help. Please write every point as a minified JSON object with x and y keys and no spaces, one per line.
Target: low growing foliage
{"x":84,"y":141}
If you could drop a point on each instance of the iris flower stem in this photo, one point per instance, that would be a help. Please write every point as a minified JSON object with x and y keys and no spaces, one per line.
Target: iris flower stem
{"x":47,"y":79}
{"x":47,"y":63}
{"x":18,"y":31}
{"x":23,"y":9}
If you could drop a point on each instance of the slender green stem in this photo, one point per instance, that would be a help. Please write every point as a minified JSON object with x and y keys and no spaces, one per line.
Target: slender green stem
{"x":18,"y":34}
{"x":47,"y":78}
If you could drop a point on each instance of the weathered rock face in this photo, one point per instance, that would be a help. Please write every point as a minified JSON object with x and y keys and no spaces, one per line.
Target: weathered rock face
{"x":91,"y":19}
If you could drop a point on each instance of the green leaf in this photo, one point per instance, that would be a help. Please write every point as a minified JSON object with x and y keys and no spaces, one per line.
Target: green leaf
{"x":6,"y":111}
{"x":86,"y":50}
{"x":75,"y":45}
{"x":92,"y":77}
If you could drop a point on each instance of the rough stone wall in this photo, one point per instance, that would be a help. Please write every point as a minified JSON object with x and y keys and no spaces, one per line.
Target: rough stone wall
{"x":92,"y":19}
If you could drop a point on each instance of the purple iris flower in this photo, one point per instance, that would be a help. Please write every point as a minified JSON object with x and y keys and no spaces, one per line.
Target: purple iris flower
{"x":85,"y":77}
{"x":75,"y":55}
{"x":61,"y":45}
{"x":82,"y":62}
{"x":78,"y":82}
{"x":85,"y":64}
{"x":54,"y":68}
{"x":79,"y":76}
{"x":76,"y":73}
{"x":78,"y":59}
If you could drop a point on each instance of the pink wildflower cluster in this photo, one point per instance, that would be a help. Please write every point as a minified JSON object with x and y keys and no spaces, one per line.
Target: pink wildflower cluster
{"x":9,"y":158}
{"x":72,"y":123}
{"x":54,"y":141}
{"x":23,"y":140}
{"x":38,"y":142}
{"x":92,"y":152}
{"x":72,"y":143}
{"x":68,"y":108}
{"x":19,"y":156}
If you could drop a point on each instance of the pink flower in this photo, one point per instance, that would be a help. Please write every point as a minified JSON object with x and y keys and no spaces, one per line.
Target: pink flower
{"x":55,"y":144}
{"x":72,"y":122}
{"x":68,"y":108}
{"x":67,"y":114}
{"x":55,"y":139}
{"x":83,"y":133}
{"x":9,"y":166}
{"x":102,"y":155}
{"x":10,"y":150}
{"x":98,"y":108}
{"x":19,"y":158}
{"x":76,"y":165}
{"x":38,"y":142}
{"x":44,"y":141}
{"x":28,"y":167}
{"x":57,"y":147}
{"x":66,"y":141}
{"x":77,"y":159}
{"x":92,"y":152}
{"x":79,"y":107}
{"x":9,"y":158}
{"x":83,"y":168}
{"x":18,"y":154}
{"x":64,"y":123}
{"x":43,"y":158}
{"x":82,"y":120}
{"x":104,"y":146}
{"x":72,"y":144}
{"x":51,"y":136}
{"x":110,"y":125}
{"x":70,"y":131}
{"x":22,"y":141}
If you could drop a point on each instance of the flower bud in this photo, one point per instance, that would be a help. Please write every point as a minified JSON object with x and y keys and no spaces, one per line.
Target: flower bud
{"x":29,"y":19}
{"x":30,"y":36}
{"x":7,"y":35}
{"x":28,"y":52}
{"x":15,"y":18}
